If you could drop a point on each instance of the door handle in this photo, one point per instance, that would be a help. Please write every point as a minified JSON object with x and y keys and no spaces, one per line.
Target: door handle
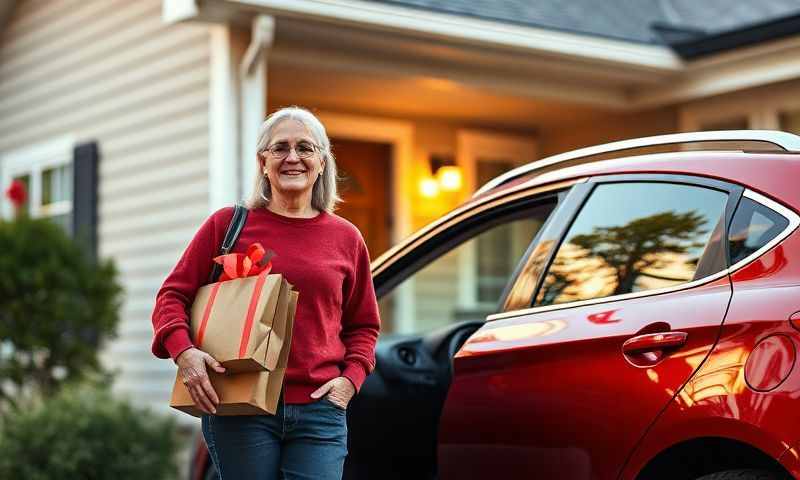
{"x":654,"y":341}
{"x":649,"y":349}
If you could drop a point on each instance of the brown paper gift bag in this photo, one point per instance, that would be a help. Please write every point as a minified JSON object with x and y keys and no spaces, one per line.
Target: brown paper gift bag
{"x":246,"y":393}
{"x":233,"y":321}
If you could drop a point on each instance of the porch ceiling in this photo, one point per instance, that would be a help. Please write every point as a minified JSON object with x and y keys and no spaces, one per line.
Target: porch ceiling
{"x":414,"y":96}
{"x":355,"y":52}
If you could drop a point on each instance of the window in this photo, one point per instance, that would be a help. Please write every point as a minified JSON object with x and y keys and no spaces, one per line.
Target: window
{"x":433,"y":295}
{"x":46,"y":171}
{"x":752,"y":227}
{"x":631,"y":237}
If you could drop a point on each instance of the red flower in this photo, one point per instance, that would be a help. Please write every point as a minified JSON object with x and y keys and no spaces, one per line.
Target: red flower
{"x":17,"y":193}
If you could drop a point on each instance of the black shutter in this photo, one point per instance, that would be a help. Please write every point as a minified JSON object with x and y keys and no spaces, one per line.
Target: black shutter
{"x":85,"y":159}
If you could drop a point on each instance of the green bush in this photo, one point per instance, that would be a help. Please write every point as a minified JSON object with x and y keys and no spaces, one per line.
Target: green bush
{"x":85,"y":433}
{"x":57,"y":309}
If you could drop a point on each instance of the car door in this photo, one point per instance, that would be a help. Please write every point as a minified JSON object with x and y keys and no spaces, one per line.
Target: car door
{"x":435,"y":289}
{"x":598,"y":334}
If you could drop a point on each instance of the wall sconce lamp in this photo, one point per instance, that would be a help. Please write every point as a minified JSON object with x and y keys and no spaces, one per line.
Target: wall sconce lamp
{"x":449,"y":178}
{"x":446,"y":177}
{"x":429,"y":187}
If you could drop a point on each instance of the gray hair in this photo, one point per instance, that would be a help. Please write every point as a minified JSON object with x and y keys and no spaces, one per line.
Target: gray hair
{"x":324,"y":195}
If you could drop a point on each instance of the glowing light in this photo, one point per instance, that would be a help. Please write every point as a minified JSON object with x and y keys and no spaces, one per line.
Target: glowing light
{"x":440,"y":84}
{"x":449,"y":178}
{"x":428,"y":187}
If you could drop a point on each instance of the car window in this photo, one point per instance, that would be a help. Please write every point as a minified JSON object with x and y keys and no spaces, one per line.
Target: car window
{"x":752,"y":227}
{"x":631,"y":237}
{"x":467,"y":278}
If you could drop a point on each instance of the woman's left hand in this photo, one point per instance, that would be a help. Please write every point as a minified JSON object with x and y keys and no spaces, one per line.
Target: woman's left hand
{"x":339,"y":391}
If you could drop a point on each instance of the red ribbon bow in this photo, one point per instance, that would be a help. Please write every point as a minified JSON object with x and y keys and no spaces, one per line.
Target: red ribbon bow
{"x":241,"y":265}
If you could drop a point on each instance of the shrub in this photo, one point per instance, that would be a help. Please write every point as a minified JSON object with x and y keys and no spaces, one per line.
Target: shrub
{"x":84,"y":432}
{"x":57,"y":308}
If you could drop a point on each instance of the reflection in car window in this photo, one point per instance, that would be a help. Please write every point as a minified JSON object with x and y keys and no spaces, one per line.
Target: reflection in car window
{"x":466,"y":282}
{"x":631,"y":237}
{"x":753,"y":226}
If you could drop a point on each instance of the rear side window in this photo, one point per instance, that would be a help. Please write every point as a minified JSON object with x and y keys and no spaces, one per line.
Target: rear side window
{"x":753,"y":226}
{"x":632,"y":237}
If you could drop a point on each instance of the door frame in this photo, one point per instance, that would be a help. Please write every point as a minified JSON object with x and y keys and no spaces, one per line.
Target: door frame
{"x":400,"y":135}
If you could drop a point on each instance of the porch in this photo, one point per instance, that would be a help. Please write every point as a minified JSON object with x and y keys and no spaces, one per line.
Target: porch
{"x":404,"y":96}
{"x":394,"y":127}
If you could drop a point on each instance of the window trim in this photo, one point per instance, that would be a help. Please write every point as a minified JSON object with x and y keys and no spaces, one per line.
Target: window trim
{"x":735,"y":192}
{"x":33,"y":160}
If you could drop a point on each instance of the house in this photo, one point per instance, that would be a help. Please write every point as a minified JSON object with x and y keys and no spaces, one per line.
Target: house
{"x":136,"y":119}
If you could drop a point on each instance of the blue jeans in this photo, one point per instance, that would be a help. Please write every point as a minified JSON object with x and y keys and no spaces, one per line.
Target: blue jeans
{"x":299,"y":442}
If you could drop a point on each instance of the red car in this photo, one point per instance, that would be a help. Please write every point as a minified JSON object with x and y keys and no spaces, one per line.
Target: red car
{"x":600,"y":314}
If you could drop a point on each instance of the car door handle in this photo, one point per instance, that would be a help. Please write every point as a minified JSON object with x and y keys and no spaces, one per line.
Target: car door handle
{"x":654,"y":341}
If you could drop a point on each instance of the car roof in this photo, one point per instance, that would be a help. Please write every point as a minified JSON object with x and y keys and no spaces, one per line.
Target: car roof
{"x":774,"y":175}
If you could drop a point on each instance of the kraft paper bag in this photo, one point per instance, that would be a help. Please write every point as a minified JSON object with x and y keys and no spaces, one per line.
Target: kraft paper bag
{"x":234,"y":321}
{"x":247,"y":393}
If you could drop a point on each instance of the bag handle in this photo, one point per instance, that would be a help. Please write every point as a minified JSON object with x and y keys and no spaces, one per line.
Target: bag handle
{"x":231,"y":234}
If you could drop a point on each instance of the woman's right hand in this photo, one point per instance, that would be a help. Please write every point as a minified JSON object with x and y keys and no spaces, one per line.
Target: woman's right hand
{"x":192,"y":370}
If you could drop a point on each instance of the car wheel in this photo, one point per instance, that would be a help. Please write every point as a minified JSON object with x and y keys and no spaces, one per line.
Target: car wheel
{"x":742,"y":475}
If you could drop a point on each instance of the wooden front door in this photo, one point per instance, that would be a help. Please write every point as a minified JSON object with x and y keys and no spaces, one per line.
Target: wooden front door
{"x":365,"y":188}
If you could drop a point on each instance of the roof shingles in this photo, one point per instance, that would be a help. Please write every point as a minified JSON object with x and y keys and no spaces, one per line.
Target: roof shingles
{"x":629,"y":20}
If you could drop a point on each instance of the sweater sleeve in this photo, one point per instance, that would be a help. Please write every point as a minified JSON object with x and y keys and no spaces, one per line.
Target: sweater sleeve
{"x":360,"y":320}
{"x":174,"y":298}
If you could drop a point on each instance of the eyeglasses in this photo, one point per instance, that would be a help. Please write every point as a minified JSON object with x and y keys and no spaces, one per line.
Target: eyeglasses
{"x":281,"y":150}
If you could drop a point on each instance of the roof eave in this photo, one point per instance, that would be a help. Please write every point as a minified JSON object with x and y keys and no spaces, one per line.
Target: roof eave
{"x":707,"y":45}
{"x":479,"y":32}
{"x":656,"y":75}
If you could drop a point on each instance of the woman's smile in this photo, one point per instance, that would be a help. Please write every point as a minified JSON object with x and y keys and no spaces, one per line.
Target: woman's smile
{"x":294,"y":178}
{"x":293,"y":172}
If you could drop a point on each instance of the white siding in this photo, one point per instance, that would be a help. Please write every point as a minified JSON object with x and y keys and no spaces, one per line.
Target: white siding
{"x":112,"y":71}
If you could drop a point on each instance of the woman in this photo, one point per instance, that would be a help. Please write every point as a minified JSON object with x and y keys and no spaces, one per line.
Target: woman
{"x":336,"y":323}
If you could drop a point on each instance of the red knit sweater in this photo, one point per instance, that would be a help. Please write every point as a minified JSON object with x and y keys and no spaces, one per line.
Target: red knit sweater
{"x":336,"y":323}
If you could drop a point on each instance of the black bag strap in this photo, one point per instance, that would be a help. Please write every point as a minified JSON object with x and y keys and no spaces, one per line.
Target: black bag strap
{"x":234,"y":229}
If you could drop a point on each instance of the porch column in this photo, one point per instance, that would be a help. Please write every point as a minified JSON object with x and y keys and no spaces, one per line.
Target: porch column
{"x":253,"y":108}
{"x":223,"y":120}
